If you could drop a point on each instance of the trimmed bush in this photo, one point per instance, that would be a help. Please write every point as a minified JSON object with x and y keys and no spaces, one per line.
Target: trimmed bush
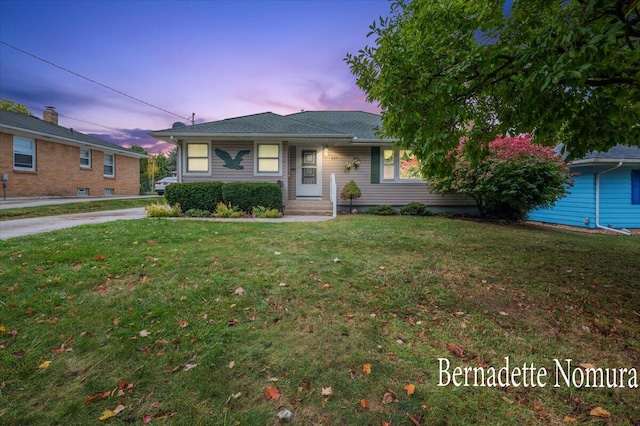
{"x":194,"y":195}
{"x":197,"y":213}
{"x":415,"y":209}
{"x":247,"y":195}
{"x":263,"y":212}
{"x":350,"y":192}
{"x":163,"y":210}
{"x":383,"y":210}
{"x":224,"y":210}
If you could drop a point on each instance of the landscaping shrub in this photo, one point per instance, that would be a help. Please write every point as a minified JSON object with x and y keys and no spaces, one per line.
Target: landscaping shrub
{"x":247,"y":195}
{"x":415,"y":209}
{"x":197,"y":213}
{"x":383,"y":210}
{"x":163,"y":210}
{"x":513,"y":177}
{"x":226,"y":210}
{"x":263,"y":212}
{"x":350,"y":192}
{"x":194,"y":195}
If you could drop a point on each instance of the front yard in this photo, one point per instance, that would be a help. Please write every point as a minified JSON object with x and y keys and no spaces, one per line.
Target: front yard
{"x":345,"y":322}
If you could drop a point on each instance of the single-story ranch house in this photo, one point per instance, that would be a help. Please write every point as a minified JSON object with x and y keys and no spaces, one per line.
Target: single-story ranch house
{"x":41,"y":158}
{"x":309,"y":154}
{"x":606,"y":192}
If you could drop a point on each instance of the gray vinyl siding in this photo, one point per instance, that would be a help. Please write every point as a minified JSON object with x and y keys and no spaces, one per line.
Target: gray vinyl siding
{"x":395,"y":194}
{"x":219,"y":173}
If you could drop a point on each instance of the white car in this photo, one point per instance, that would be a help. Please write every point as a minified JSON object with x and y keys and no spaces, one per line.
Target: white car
{"x":163,"y":183}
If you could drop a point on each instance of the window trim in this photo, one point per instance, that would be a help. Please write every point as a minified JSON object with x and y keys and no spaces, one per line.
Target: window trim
{"x":113,"y":165}
{"x":33,"y":154}
{"x":85,"y":166}
{"x":186,"y":158}
{"x":396,"y":167}
{"x":256,"y":158}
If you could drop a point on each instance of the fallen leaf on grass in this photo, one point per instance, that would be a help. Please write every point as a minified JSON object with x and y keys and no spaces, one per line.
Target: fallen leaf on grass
{"x":120,"y":408}
{"x":366,"y":369}
{"x":456,"y":349}
{"x":364,"y":404}
{"x":146,"y":419}
{"x":587,"y":365}
{"x":97,"y":396}
{"x":100,"y":257}
{"x":285,"y":416}
{"x":238,"y":291}
{"x":349,"y":315}
{"x":410,"y":389}
{"x":188,"y":367}
{"x":44,"y":365}
{"x":272,"y":392}
{"x":599,"y":412}
{"x":327,"y":391}
{"x":106,"y":415}
{"x":232,"y":364}
{"x":569,"y":419}
{"x":183,"y":324}
{"x":389,"y":397}
{"x":413,"y":419}
{"x":144,"y":333}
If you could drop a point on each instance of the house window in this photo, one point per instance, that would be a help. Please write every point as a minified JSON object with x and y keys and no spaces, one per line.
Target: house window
{"x":109,"y":165}
{"x":268,"y":159}
{"x":635,"y":186}
{"x":24,"y":154}
{"x":85,"y":158}
{"x":198,"y":157}
{"x":83,"y":192}
{"x":399,"y":165}
{"x":108,"y":192}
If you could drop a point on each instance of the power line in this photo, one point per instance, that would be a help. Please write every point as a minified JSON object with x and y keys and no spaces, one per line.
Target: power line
{"x":94,"y":81}
{"x":32,"y":108}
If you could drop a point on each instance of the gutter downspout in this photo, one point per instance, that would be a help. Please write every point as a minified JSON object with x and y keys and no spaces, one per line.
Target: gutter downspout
{"x":620,"y":231}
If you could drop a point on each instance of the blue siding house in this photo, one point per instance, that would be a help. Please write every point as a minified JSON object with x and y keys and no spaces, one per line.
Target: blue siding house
{"x":606,"y":193}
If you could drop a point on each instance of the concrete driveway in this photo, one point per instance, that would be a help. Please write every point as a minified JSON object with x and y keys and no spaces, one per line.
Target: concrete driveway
{"x":37,"y":225}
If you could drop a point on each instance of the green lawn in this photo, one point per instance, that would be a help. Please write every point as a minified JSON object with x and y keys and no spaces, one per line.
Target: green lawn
{"x":192,"y":322}
{"x":87,"y":206}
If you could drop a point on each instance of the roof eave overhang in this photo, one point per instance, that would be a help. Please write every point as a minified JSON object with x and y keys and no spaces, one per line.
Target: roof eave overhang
{"x":603,"y":161}
{"x":75,"y":142}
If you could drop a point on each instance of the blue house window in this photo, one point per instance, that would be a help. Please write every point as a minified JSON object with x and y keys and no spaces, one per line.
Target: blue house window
{"x":635,"y":186}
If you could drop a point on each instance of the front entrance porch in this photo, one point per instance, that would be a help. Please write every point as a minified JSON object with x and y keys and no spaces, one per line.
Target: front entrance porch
{"x":308,"y":208}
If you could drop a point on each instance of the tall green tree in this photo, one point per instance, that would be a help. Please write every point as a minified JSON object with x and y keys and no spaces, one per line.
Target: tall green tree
{"x":8,"y":105}
{"x":566,"y":70}
{"x":145,"y":186}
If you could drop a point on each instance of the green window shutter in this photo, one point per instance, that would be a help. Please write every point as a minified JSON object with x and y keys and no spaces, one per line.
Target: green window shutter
{"x":375,"y":164}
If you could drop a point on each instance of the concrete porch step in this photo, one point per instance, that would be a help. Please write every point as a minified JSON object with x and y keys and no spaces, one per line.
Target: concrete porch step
{"x":308,"y":208}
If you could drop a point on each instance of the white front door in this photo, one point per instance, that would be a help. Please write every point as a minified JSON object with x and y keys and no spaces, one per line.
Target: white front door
{"x":309,"y":171}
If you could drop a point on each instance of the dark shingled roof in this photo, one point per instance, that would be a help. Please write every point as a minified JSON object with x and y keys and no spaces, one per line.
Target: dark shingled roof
{"x":618,"y":152}
{"x":346,"y":124}
{"x":266,"y":123}
{"x":31,"y":124}
{"x":361,"y":124}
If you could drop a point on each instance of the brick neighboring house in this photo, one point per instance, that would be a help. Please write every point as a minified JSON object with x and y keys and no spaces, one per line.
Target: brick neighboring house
{"x":41,"y":158}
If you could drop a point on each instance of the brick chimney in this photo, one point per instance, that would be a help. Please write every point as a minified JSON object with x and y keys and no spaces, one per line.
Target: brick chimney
{"x":50,"y":115}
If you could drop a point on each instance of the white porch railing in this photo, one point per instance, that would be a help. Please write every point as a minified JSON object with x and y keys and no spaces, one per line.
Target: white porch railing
{"x":333,"y":194}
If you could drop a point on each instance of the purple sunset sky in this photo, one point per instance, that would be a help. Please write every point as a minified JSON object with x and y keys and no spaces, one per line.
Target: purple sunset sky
{"x":215,"y":58}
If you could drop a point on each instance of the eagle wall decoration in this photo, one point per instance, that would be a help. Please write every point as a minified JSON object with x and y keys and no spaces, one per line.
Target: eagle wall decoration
{"x":231,"y":163}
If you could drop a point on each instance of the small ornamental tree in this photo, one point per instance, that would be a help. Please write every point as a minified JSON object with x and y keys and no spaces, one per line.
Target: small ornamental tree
{"x":350,"y":192}
{"x":513,"y":177}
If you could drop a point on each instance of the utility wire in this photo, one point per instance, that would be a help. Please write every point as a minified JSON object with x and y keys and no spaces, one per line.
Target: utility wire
{"x":32,"y":108}
{"x":92,"y":81}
